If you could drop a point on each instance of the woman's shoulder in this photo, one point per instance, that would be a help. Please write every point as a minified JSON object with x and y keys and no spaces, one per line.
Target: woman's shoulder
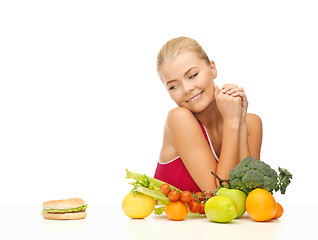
{"x":253,"y":121}
{"x":179,"y":111}
{"x":253,"y":118}
{"x":181,"y":130}
{"x":180,"y":115}
{"x":179,"y":120}
{"x":182,"y":123}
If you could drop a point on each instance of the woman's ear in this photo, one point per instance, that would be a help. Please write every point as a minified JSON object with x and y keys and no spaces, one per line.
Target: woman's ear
{"x":214,"y":72}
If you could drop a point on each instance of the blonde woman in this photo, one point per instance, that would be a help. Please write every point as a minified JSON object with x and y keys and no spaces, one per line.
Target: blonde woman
{"x":211,"y":129}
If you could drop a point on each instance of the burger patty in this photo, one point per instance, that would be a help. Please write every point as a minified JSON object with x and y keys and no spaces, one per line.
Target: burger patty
{"x":66,"y":212}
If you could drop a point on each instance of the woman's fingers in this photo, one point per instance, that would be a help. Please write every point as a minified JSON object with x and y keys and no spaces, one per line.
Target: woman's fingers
{"x":232,"y":90}
{"x":235,"y":94}
{"x":242,"y":96}
{"x":228,"y":86}
{"x":235,"y":90}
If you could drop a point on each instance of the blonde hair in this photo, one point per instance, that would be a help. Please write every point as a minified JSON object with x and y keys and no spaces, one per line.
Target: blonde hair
{"x":179,"y":45}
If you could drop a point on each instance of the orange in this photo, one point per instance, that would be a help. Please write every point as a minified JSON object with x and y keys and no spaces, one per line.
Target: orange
{"x":260,"y":205}
{"x":176,"y":210}
{"x":279,"y":211}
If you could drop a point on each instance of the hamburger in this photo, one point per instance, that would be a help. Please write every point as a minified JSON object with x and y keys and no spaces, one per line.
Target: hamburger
{"x":65,"y":209}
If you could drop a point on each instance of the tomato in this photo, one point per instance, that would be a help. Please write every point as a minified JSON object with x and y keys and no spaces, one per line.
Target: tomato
{"x":173,"y":195}
{"x":194,"y":206}
{"x":201,"y":209}
{"x":208,"y":196}
{"x":186,"y":197}
{"x":164,"y":188}
{"x":198,"y":196}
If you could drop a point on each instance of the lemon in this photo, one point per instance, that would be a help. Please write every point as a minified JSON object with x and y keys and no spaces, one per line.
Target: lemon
{"x":138,"y":206}
{"x":220,"y":209}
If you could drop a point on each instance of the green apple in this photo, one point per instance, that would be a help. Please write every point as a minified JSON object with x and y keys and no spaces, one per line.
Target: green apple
{"x":238,"y":196}
{"x":220,"y":209}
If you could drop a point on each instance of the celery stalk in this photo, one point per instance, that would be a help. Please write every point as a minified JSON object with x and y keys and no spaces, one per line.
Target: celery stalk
{"x":138,"y":176}
{"x":156,"y":195}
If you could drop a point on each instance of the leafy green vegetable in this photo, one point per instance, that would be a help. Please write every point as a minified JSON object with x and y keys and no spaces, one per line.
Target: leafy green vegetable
{"x":150,"y":186}
{"x":81,"y":208}
{"x":152,"y":193}
{"x":284,"y":180}
{"x":252,"y":173}
{"x":147,"y":181}
{"x":159,"y":210}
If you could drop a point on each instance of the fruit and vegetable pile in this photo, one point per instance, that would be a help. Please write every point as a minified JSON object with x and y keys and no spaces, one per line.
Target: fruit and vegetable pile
{"x":249,"y":189}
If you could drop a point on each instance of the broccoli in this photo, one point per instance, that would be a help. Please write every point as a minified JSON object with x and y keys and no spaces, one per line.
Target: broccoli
{"x":252,"y":173}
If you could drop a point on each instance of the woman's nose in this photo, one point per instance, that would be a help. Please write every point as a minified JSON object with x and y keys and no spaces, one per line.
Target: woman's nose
{"x":187,"y":87}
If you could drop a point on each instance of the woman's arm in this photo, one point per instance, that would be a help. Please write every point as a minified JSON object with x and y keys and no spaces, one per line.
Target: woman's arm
{"x":255,"y":134}
{"x":229,"y":156}
{"x":250,"y":127}
{"x":189,"y":142}
{"x":251,"y":137}
{"x":231,"y":111}
{"x":235,"y":91}
{"x":244,"y":145}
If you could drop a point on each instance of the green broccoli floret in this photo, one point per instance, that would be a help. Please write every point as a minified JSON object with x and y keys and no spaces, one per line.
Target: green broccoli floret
{"x":284,"y":179}
{"x":252,"y":179}
{"x":252,"y":173}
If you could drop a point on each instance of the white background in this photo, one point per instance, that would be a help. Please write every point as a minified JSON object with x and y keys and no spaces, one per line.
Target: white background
{"x":80,"y":99}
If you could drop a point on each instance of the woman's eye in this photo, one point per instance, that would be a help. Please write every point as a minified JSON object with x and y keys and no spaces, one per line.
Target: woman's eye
{"x":194,"y":75}
{"x":172,"y":87}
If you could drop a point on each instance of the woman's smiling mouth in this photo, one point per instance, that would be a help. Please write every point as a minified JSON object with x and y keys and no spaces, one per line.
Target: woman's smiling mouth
{"x":195,"y":97}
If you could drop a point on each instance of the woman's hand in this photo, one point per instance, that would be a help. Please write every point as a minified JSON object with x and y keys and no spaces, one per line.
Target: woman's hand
{"x":229,"y":106}
{"x":235,"y":91}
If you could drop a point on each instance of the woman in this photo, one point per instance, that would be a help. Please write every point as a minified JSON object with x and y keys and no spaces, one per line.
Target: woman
{"x":211,"y":129}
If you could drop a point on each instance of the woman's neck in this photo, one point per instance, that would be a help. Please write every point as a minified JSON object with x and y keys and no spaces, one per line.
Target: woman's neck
{"x":211,"y":117}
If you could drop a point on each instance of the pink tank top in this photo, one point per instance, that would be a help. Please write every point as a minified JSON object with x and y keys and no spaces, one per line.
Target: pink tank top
{"x":175,"y":173}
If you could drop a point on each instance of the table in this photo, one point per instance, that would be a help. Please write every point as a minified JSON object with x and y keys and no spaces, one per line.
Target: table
{"x":108,"y":222}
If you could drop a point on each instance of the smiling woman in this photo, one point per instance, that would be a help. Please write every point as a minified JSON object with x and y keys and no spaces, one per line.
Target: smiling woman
{"x":210,"y":130}
{"x":192,"y":80}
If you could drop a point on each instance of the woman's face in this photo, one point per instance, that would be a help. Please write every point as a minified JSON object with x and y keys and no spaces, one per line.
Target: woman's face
{"x":189,"y":81}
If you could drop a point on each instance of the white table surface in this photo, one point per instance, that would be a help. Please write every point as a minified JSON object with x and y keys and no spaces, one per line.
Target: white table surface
{"x":108,"y":222}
